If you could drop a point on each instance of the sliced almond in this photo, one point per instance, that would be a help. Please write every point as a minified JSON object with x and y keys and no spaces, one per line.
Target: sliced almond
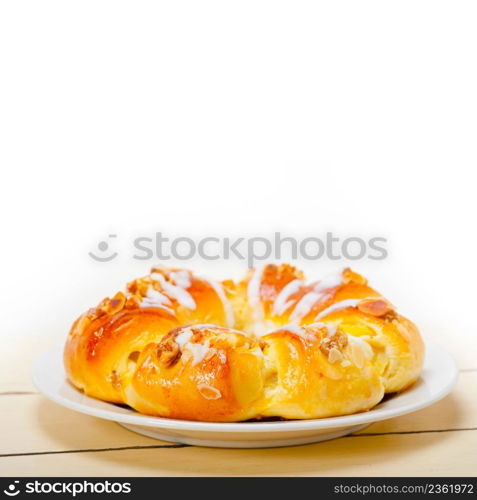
{"x":357,"y":355}
{"x":186,"y":356}
{"x":375,"y":307}
{"x":350,"y":276}
{"x":209,"y":392}
{"x":334,"y":355}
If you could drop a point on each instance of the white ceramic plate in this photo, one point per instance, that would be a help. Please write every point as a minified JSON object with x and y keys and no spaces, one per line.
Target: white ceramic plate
{"x":438,"y":378}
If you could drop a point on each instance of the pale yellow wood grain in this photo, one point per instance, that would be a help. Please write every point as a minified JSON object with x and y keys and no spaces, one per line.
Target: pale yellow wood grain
{"x":32,"y":424}
{"x":460,"y":344}
{"x":433,"y":454}
{"x":18,"y":355}
{"x":41,"y":425}
{"x":456,"y":411}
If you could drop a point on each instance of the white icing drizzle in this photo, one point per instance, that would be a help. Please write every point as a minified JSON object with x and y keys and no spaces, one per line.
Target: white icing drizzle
{"x":229,"y":312}
{"x":304,"y":305}
{"x":183,"y":338}
{"x":198,"y":351}
{"x":318,"y":292}
{"x":297,"y":330}
{"x":282,"y":303}
{"x":260,"y":333}
{"x":330,"y":281}
{"x":154,"y":298}
{"x":177,"y":291}
{"x":181,"y":278}
{"x":342,"y":304}
{"x":253,"y":293}
{"x":146,"y":304}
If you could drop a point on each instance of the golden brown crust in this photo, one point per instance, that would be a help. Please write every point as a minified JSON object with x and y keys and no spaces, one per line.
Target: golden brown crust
{"x":180,"y":346}
{"x":318,"y":375}
{"x":213,"y":374}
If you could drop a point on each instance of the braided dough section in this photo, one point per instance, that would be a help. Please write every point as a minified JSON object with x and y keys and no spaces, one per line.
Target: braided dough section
{"x":181,"y":346}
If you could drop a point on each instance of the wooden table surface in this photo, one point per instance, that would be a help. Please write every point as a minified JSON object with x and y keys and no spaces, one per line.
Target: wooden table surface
{"x":40,"y":438}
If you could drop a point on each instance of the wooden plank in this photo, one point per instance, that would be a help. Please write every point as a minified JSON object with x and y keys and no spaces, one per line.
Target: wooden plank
{"x":18,"y":356}
{"x":429,"y":454}
{"x":456,"y":411}
{"x":41,"y":425}
{"x":32,"y":423}
{"x":460,"y":343}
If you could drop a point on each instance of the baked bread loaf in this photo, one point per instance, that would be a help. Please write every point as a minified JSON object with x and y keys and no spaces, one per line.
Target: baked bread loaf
{"x":181,"y":346}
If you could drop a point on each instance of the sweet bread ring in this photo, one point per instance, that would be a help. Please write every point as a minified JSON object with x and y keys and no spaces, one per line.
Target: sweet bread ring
{"x":180,"y":346}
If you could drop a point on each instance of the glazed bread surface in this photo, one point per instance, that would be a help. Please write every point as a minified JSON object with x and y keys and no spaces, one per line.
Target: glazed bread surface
{"x":181,"y":346}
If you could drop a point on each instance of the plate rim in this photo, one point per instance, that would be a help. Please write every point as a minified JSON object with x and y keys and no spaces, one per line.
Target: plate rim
{"x":370,"y":416}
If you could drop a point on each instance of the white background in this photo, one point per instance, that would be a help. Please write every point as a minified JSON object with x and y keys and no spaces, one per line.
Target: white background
{"x":235,"y":118}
